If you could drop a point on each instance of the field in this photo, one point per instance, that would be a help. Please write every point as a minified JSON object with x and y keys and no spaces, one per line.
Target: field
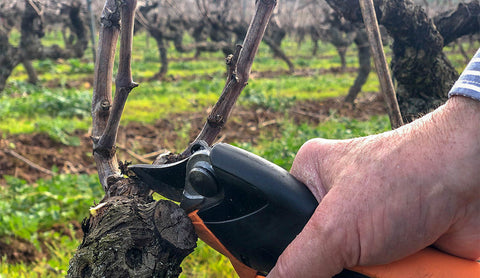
{"x":43,"y":204}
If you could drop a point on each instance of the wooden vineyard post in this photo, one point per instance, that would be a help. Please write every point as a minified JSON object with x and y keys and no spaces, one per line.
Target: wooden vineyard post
{"x":373,"y":32}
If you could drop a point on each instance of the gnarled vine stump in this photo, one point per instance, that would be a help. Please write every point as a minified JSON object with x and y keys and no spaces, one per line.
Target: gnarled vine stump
{"x":133,"y":236}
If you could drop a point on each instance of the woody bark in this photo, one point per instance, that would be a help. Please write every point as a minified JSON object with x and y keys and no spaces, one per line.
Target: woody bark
{"x":421,"y":70}
{"x":31,"y":48}
{"x":128,"y":234}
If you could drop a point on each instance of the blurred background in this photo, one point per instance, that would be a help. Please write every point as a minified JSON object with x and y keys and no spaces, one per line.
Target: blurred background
{"x":312,"y":77}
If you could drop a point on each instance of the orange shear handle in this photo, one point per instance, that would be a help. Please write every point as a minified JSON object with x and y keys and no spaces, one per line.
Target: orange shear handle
{"x":209,"y":238}
{"x":428,"y":262}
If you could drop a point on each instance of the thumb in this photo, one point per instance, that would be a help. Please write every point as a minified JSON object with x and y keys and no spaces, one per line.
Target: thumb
{"x":313,"y":164}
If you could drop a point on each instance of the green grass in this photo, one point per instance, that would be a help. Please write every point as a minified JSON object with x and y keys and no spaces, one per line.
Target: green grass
{"x":29,"y":208}
{"x":155,"y":100}
{"x":58,"y":111}
{"x":456,"y":58}
{"x":205,"y":262}
{"x":309,"y":87}
{"x":281,"y":149}
{"x":56,"y":103}
{"x":29,"y":211}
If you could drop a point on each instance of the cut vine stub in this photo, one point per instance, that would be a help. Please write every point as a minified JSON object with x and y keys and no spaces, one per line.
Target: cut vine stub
{"x":132,"y":237}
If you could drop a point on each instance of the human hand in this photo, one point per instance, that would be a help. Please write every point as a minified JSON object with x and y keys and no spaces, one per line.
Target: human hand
{"x":390,"y":195}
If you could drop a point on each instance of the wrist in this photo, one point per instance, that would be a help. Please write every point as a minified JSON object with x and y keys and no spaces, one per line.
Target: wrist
{"x":465,"y":109}
{"x":459,"y":125}
{"x":461,"y":117}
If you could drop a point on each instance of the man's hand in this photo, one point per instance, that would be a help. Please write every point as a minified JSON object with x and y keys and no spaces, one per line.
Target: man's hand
{"x":387,"y":196}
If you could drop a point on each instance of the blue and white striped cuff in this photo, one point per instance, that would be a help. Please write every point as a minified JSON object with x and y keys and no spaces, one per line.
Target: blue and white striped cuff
{"x":468,"y":84}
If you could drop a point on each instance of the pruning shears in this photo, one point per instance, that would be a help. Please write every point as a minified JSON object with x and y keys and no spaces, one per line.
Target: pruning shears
{"x":250,"y":209}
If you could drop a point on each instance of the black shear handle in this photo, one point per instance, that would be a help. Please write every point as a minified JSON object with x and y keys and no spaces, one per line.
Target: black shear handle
{"x":262,"y":210}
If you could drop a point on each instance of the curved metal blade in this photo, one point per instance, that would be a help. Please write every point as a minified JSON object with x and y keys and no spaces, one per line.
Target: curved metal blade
{"x":167,"y":180}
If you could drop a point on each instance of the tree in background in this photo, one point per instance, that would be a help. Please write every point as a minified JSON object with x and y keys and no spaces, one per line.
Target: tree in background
{"x":32,"y":27}
{"x":422,"y":72}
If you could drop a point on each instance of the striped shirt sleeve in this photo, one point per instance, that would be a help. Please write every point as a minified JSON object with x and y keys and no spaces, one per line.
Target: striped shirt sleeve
{"x":468,"y":85}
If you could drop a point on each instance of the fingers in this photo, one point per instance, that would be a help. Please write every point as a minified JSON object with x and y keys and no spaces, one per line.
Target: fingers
{"x":463,"y":238}
{"x":320,"y":250}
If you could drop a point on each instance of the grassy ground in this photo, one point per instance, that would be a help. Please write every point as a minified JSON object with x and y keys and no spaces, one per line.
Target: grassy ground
{"x":33,"y":212}
{"x":30,"y":211}
{"x":196,"y":85}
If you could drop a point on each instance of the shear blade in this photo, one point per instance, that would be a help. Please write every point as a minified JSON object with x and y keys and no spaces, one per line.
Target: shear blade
{"x":167,"y":180}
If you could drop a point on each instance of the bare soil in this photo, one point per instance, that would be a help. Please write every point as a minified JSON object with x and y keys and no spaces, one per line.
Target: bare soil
{"x":18,"y":250}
